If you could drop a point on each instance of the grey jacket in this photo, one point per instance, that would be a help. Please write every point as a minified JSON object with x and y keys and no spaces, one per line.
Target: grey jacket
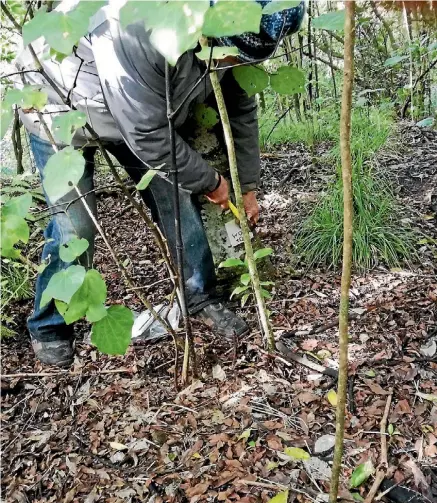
{"x":120,"y":85}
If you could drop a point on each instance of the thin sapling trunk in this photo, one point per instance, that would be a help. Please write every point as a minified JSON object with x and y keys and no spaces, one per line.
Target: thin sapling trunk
{"x":346,"y":169}
{"x":189,"y":343}
{"x":262,"y":312}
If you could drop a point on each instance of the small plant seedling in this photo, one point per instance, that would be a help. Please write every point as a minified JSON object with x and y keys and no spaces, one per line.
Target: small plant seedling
{"x":244,"y":289}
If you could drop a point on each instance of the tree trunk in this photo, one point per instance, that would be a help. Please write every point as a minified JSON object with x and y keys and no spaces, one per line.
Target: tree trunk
{"x":346,"y":165}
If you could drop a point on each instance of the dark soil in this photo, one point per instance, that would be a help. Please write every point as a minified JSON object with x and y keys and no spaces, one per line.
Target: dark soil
{"x":116,"y":430}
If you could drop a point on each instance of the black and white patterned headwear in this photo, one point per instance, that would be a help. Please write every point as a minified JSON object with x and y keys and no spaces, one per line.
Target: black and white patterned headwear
{"x":274,"y":27}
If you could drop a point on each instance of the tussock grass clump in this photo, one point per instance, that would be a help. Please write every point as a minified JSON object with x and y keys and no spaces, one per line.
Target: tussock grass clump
{"x":378,"y":233}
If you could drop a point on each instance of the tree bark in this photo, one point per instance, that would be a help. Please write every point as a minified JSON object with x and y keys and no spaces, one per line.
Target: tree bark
{"x":346,"y":165}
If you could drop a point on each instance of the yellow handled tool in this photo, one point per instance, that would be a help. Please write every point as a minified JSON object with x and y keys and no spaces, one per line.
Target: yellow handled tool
{"x":234,"y":210}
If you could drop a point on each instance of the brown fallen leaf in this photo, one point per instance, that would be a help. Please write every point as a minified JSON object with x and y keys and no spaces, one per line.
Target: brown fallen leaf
{"x":197,"y":490}
{"x":376,"y":388}
{"x":274,"y":443}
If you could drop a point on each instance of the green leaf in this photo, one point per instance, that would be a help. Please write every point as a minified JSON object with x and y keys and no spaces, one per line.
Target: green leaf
{"x":7,"y":114}
{"x":205,"y":116}
{"x":96,"y":312}
{"x":390,"y":429}
{"x":146,"y":179}
{"x":37,"y":26}
{"x":288,"y":80}
{"x":278,"y":5}
{"x":245,"y":278}
{"x":73,"y":249}
{"x":266,"y":283}
{"x":88,"y":300}
{"x":112,"y":334}
{"x":63,"y":284}
{"x":217,"y":53}
{"x":361,"y":473}
{"x":245,"y":435}
{"x":238,"y":290}
{"x":13,"y":229}
{"x":429,"y":121}
{"x":134,"y":11}
{"x":176,"y":26}
{"x":262,"y":252}
{"x":296,"y":453}
{"x":266,"y":294}
{"x":253,"y":79}
{"x":394,"y":60}
{"x":244,"y":298}
{"x":231,"y":262}
{"x":27,"y":98}
{"x":281,"y":497}
{"x":333,"y":21}
{"x":66,"y":124}
{"x":19,"y":205}
{"x":62,"y":172}
{"x":227,"y":18}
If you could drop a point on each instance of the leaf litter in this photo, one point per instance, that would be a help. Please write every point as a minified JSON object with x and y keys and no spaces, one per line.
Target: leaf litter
{"x":129,"y":436}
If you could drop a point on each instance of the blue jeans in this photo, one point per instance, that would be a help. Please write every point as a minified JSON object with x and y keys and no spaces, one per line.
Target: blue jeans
{"x":46,"y":324}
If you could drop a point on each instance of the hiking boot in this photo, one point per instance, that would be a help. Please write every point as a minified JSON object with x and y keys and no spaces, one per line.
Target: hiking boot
{"x":222,"y":321}
{"x":59,"y":353}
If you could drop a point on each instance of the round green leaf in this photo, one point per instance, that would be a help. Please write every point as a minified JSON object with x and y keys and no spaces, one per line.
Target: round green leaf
{"x":19,"y":205}
{"x":27,"y":98}
{"x":112,"y":334}
{"x":63,"y":284}
{"x":288,"y":80}
{"x":333,"y":21}
{"x":253,"y":79}
{"x":13,"y":229}
{"x":361,"y":473}
{"x":205,"y":116}
{"x":227,"y":18}
{"x":37,"y":26}
{"x":66,"y":124}
{"x":278,"y":5}
{"x":62,"y":172}
{"x":176,"y":26}
{"x":88,"y":300}
{"x":73,"y":249}
{"x":62,"y":30}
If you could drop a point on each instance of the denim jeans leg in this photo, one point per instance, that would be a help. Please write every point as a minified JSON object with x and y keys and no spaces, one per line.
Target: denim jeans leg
{"x":46,"y":324}
{"x":199,"y":269}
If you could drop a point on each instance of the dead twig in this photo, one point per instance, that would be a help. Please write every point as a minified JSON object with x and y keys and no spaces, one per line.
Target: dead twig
{"x":381,"y":471}
{"x":282,"y":348}
{"x":67,"y":373}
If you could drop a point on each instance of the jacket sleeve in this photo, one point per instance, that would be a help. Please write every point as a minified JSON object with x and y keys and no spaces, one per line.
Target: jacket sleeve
{"x":133,"y":83}
{"x":243,"y":117}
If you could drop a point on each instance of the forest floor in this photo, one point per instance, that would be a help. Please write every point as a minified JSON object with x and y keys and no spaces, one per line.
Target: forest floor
{"x":116,"y":430}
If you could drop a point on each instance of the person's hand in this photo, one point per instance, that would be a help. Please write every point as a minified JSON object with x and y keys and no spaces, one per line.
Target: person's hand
{"x":220,"y":195}
{"x":251,"y":207}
